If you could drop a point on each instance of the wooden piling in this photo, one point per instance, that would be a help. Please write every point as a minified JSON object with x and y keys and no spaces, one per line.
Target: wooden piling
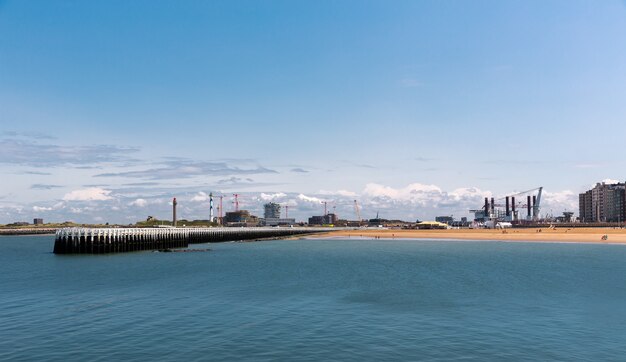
{"x":119,"y":240}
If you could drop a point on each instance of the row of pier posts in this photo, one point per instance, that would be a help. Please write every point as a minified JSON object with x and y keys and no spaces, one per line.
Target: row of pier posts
{"x":119,"y":240}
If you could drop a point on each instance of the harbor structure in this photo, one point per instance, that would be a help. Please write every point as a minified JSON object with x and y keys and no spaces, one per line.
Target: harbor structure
{"x":277,"y":221}
{"x":508,"y":209}
{"x":116,"y":240}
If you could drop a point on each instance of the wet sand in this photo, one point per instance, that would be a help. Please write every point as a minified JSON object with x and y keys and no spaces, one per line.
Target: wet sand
{"x":575,"y":235}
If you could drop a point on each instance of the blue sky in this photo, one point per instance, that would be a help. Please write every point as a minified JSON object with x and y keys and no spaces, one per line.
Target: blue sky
{"x":415,"y":108}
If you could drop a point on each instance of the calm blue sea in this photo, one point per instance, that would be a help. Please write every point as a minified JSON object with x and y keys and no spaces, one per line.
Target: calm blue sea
{"x":311,"y":300}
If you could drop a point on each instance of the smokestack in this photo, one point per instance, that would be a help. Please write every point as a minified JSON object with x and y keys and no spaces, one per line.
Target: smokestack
{"x":528,"y":204}
{"x":507,"y":207}
{"x":513,"y":205}
{"x":486,"y":206}
{"x":211,"y":207}
{"x":174,"y":203}
{"x":493,"y":205}
{"x":534,"y":206}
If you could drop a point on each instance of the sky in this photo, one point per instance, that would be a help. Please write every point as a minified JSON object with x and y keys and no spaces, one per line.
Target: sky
{"x":415,"y":109}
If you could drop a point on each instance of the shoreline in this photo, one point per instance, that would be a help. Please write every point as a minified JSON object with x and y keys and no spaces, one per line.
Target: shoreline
{"x":545,"y":235}
{"x":357,"y":238}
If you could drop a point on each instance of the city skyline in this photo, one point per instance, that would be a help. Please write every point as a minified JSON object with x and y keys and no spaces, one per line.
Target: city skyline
{"x":109,"y":110}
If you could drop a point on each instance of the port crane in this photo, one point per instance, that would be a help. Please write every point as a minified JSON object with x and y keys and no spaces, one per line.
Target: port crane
{"x":532,"y":204}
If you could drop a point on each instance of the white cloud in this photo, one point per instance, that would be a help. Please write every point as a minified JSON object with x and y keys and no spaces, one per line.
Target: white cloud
{"x":291,"y":203}
{"x":415,"y":192}
{"x":271,"y":197}
{"x":309,"y":199}
{"x":139,"y":203}
{"x":345,"y":193}
{"x":41,"y":208}
{"x":88,"y":194}
{"x":200,"y":197}
{"x":556,"y":202}
{"x":407,"y":202}
{"x":420,"y":200}
{"x":609,"y":181}
{"x":468,"y":194}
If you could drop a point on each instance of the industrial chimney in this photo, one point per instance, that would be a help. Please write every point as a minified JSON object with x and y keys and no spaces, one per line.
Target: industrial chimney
{"x":174,"y":203}
{"x":508,"y":212}
{"x":513,"y":207}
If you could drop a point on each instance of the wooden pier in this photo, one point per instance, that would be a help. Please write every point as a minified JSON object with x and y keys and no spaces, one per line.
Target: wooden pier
{"x":120,"y":240}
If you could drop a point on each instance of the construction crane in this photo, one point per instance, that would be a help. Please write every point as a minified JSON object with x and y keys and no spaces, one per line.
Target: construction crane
{"x":219,"y":208}
{"x":356,"y":210}
{"x":219,"y":212}
{"x":236,"y":202}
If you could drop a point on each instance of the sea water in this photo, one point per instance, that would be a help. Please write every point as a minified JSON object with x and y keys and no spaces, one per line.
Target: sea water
{"x":311,"y":300}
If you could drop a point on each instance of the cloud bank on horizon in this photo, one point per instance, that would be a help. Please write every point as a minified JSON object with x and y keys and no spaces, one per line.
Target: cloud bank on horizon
{"x":412,"y":202}
{"x":191,"y":182}
{"x":416,"y":110}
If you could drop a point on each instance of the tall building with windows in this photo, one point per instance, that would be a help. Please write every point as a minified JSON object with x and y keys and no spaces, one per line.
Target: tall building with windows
{"x":615,"y":204}
{"x":585,"y":213}
{"x":240,"y":218}
{"x":603,"y":203}
{"x":272,"y":210}
{"x":321,"y":220}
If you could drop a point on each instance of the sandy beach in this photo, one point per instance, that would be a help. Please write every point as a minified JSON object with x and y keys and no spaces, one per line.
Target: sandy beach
{"x":576,"y":235}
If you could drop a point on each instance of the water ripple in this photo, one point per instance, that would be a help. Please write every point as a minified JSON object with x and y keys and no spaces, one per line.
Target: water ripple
{"x":313,"y":300}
